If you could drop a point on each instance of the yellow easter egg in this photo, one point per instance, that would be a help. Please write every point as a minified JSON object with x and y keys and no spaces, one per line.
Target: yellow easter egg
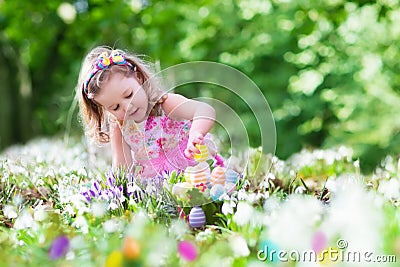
{"x":203,"y":155}
{"x":188,"y":172}
{"x":330,"y":255}
{"x":114,"y":259}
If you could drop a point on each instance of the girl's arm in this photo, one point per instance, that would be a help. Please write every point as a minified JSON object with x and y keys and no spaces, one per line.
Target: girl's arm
{"x":121,"y":152}
{"x":201,"y":114}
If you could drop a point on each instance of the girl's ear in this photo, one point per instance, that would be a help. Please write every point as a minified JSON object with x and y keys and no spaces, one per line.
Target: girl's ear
{"x":139,"y":77}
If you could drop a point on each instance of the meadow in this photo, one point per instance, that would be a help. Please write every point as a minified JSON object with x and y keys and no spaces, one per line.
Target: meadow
{"x":314,"y":209}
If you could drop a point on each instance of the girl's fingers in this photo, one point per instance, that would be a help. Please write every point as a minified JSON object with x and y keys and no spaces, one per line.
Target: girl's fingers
{"x":188,"y":154}
{"x":193,"y":149}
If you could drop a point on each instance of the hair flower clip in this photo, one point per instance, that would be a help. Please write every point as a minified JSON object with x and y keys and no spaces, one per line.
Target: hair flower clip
{"x":105,"y":60}
{"x":117,"y":58}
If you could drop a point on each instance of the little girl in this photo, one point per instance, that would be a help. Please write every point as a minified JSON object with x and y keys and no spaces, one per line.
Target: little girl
{"x":146,"y":127}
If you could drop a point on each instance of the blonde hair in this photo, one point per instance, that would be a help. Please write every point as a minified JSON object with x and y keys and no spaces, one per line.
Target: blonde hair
{"x":93,"y":115}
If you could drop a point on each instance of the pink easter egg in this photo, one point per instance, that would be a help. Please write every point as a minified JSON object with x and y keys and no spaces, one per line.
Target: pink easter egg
{"x":187,"y":250}
{"x":319,"y":242}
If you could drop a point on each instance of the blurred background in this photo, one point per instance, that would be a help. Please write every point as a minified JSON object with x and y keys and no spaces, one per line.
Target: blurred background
{"x":329,"y":69}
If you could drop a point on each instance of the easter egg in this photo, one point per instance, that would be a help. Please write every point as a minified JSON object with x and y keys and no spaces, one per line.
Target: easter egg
{"x":325,"y":257}
{"x":114,"y":259}
{"x":203,"y":155}
{"x":189,"y":170}
{"x":187,"y":250}
{"x":229,"y":188}
{"x":59,"y":247}
{"x":197,"y":218}
{"x":231,"y":176}
{"x":131,"y":248}
{"x":268,"y":250}
{"x":202,"y":166}
{"x":217,"y":191}
{"x":218,"y":176}
{"x":198,"y":178}
{"x":197,"y":174}
{"x":319,"y":242}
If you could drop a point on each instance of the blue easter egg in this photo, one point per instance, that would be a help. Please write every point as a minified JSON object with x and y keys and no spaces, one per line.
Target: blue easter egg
{"x":197,"y":218}
{"x":217,"y":191}
{"x":231,"y":176}
{"x":268,"y":251}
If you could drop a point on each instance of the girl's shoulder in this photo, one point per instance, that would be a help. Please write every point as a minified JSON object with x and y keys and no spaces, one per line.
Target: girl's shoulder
{"x":158,"y":110}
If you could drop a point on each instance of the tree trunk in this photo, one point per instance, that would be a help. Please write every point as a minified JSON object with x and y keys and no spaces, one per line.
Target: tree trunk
{"x":15,"y":98}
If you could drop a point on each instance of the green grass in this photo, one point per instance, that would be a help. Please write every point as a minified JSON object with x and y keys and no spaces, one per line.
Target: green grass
{"x":284,"y":202}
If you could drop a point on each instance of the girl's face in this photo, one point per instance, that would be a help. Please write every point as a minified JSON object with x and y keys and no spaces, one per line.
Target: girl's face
{"x":123,"y":97}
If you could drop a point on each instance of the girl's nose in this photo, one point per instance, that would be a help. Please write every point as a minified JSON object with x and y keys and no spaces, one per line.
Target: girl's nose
{"x":125,"y":107}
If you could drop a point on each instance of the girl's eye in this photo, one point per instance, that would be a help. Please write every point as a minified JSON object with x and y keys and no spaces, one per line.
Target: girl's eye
{"x":129,"y":96}
{"x":115,"y":109}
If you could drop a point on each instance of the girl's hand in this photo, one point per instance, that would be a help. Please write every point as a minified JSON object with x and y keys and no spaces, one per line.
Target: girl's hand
{"x":194,"y":139}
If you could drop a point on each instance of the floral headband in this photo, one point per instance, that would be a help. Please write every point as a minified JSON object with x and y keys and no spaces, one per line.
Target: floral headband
{"x":104,"y":61}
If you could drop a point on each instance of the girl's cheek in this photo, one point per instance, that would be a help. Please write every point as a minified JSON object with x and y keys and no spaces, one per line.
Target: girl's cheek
{"x":117,"y":115}
{"x":120,"y":115}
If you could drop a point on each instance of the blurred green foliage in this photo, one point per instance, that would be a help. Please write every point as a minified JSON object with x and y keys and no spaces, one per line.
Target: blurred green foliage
{"x":329,"y":69}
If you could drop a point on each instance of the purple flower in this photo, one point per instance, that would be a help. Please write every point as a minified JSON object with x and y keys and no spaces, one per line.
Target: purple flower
{"x":130,"y":177}
{"x":110,"y":178}
{"x":95,"y":188}
{"x":110,"y":193}
{"x":59,"y":247}
{"x":86,"y":195}
{"x":134,"y":192}
{"x":118,"y":192}
{"x":164,"y":175}
{"x":104,"y":196}
{"x":92,"y":193}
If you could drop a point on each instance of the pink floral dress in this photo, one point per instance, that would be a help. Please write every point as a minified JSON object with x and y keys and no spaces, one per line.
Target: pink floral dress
{"x":158,"y":144}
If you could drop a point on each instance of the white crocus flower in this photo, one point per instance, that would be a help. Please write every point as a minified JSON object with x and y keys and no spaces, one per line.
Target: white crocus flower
{"x":242,"y":195}
{"x":243,"y":214}
{"x":227,"y":208}
{"x":112,"y":206}
{"x":40,"y":214}
{"x":178,"y":229}
{"x":10,"y":212}
{"x":99,"y":209}
{"x":24,"y":220}
{"x":81,"y":223}
{"x":239,"y":246}
{"x":390,"y":189}
{"x":111,"y":226}
{"x":69,"y":209}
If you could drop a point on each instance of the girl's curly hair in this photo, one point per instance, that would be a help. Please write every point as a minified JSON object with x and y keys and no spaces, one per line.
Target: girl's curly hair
{"x":93,"y":116}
